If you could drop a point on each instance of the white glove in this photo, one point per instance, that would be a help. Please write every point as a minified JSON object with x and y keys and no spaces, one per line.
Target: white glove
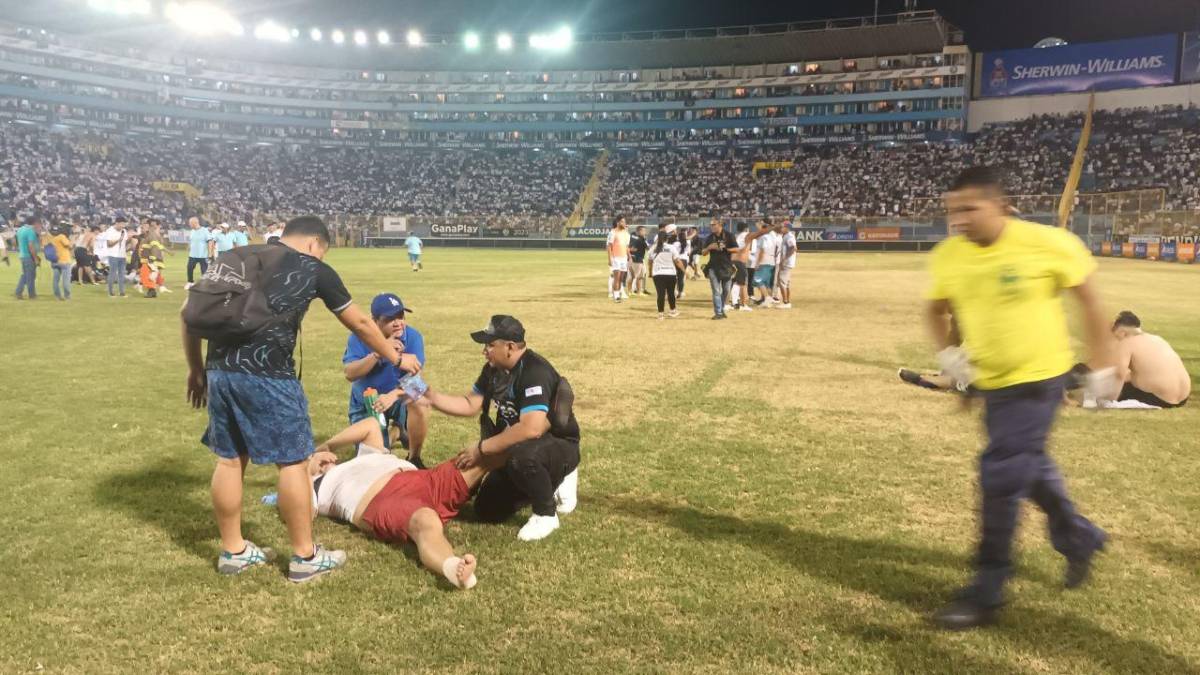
{"x":1102,"y":385}
{"x":955,"y":365}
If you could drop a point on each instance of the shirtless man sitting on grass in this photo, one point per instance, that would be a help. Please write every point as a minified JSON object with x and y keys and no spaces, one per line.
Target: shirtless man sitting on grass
{"x":395,"y":501}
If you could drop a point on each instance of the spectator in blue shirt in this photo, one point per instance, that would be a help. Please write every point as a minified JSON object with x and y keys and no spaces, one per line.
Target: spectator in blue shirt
{"x":200,"y":248}
{"x":224,"y":239}
{"x":415,"y":246}
{"x":240,"y":238}
{"x":27,"y":248}
{"x":366,"y":371}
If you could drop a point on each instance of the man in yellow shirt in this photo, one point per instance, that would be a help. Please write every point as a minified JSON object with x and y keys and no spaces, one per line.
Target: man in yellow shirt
{"x":1001,"y":280}
{"x":62,"y":268}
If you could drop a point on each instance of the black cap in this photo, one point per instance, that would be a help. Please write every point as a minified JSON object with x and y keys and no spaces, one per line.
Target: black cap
{"x":501,"y":327}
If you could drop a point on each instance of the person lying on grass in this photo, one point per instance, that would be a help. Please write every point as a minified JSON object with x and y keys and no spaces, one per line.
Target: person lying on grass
{"x":395,"y":501}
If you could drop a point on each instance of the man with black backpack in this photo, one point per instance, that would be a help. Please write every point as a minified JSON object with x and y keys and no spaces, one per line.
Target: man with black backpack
{"x":534,"y":428}
{"x":249,"y":306}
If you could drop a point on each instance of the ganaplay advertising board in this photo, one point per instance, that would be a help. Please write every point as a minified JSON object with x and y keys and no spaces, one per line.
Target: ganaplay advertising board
{"x":1093,"y":66}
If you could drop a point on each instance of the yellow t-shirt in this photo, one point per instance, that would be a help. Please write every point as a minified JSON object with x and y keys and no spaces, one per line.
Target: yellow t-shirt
{"x":62,"y":246}
{"x":1007,"y":299}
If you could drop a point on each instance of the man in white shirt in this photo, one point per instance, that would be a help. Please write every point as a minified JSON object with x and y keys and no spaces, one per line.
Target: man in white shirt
{"x":787,"y":262}
{"x":395,"y":501}
{"x":115,"y":238}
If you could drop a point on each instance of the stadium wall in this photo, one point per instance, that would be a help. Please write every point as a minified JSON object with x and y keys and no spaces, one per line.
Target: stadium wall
{"x":998,"y":110}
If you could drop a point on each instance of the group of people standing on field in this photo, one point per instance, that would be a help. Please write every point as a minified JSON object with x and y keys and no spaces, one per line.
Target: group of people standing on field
{"x":80,"y":255}
{"x":736,"y":265}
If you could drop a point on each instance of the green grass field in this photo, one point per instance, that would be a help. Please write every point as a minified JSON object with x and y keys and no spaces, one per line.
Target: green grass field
{"x":757,"y":495}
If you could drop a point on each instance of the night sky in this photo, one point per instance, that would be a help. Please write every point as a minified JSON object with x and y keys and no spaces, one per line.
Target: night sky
{"x":989,"y":24}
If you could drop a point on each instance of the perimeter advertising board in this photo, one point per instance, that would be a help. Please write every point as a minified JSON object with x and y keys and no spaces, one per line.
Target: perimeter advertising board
{"x":1095,"y":66}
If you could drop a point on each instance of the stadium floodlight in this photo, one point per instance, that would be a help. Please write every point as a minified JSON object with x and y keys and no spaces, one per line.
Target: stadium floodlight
{"x":269,"y":30}
{"x":383,"y":38}
{"x":414,"y":37}
{"x":338,"y":37}
{"x":557,"y":41}
{"x":122,"y":7}
{"x":360,"y":38}
{"x":504,"y":42}
{"x":202,"y":18}
{"x":315,"y":35}
{"x":295,"y":33}
{"x":471,"y":40}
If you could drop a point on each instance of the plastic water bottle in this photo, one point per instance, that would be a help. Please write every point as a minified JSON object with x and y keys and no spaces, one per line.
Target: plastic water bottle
{"x":414,"y":386}
{"x":270,"y":499}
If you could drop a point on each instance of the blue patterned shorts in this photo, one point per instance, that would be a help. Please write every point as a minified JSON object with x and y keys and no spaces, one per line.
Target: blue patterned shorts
{"x":265,"y":418}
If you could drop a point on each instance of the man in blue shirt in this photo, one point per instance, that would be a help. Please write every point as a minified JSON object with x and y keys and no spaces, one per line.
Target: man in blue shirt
{"x":27,"y":248}
{"x":364,"y":368}
{"x":224,"y":239}
{"x":414,"y":251}
{"x":200,"y":248}
{"x":240,"y":238}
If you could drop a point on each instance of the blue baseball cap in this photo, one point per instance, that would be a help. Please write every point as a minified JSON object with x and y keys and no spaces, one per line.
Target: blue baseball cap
{"x":387,"y":306}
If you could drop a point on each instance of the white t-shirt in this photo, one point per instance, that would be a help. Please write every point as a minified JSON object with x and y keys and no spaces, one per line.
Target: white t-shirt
{"x":789,"y":243}
{"x":117,"y":250}
{"x":344,"y":485}
{"x":769,"y":248}
{"x":754,"y":253}
{"x":99,"y":246}
{"x":663,"y":262}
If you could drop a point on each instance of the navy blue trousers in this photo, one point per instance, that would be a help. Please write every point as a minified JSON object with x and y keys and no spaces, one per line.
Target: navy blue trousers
{"x":1015,"y":466}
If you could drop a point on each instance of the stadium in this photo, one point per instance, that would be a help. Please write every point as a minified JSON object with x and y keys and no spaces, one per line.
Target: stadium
{"x":674,"y":493}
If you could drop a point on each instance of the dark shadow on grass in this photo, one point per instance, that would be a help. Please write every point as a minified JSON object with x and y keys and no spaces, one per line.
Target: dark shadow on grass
{"x":165,"y":496}
{"x":894,"y":572}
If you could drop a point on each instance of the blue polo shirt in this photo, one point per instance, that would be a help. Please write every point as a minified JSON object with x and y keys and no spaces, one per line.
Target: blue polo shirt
{"x":414,"y":245}
{"x":240,"y":239}
{"x":383,"y":377}
{"x":224,"y":241}
{"x":198,"y":242}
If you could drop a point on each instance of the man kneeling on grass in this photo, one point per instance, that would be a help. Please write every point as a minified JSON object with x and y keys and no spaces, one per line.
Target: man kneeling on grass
{"x":393,"y":500}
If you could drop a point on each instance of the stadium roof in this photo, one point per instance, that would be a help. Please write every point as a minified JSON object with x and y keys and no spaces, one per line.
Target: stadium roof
{"x":885,"y":35}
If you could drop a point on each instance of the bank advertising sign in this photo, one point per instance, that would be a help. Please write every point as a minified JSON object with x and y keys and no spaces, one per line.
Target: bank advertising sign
{"x":1094,"y":66}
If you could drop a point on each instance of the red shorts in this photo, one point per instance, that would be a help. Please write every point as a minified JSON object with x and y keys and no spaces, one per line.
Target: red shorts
{"x":441,"y":489}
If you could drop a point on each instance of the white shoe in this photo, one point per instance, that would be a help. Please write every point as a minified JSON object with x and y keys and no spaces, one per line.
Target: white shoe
{"x":661,"y":316}
{"x":538,"y":527}
{"x":567,"y":494}
{"x":673,"y":313}
{"x":784,"y":305}
{"x":164,"y":289}
{"x":188,"y":286}
{"x":681,"y":296}
{"x":624,"y":295}
{"x":745,"y":308}
{"x":728,"y":308}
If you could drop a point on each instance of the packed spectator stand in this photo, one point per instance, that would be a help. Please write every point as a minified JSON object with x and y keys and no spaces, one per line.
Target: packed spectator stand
{"x":93,"y":178}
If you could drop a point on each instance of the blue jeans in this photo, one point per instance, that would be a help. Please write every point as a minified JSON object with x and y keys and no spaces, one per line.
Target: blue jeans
{"x":28,"y":278}
{"x":720,"y":291}
{"x":62,"y":276}
{"x":116,"y":272}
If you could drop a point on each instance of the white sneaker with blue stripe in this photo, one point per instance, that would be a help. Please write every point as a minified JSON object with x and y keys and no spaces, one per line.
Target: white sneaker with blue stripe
{"x":236,"y":563}
{"x":322,"y":562}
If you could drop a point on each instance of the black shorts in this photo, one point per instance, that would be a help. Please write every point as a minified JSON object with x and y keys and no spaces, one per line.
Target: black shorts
{"x":1132,"y":393}
{"x":739,"y":273}
{"x":82,"y":258}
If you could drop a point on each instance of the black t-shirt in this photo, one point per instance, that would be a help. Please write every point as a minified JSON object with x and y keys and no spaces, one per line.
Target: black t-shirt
{"x":637,"y":248}
{"x":720,"y":257}
{"x":530,"y":386}
{"x":298,"y":281}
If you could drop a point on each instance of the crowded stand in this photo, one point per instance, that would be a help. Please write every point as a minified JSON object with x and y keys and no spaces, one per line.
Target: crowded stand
{"x":69,"y":177}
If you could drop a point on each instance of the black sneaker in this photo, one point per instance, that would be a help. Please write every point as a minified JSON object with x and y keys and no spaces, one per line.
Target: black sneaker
{"x":1080,"y":569}
{"x":416,"y":461}
{"x":965,"y":613}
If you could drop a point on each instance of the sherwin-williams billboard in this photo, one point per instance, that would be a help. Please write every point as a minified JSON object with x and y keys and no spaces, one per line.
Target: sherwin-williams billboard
{"x":1118,"y":64}
{"x":1189,"y":67}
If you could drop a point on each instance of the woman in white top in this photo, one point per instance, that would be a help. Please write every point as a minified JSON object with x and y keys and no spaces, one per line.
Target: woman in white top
{"x":666,"y":262}
{"x":393,"y":500}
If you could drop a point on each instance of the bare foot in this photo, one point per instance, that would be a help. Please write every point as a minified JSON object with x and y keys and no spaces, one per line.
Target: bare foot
{"x":466,"y":572}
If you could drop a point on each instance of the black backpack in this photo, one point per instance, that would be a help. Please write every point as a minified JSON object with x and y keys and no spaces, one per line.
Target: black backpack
{"x":229,"y":303}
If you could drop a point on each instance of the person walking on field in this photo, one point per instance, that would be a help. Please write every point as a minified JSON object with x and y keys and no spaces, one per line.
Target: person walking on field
{"x":1000,"y":281}
{"x":666,"y":262}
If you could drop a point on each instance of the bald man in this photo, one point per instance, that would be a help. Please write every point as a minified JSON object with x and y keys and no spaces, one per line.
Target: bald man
{"x":1151,"y":370}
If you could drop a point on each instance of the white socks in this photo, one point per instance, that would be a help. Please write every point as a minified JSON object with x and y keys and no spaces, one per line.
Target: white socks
{"x":567,"y":494}
{"x":450,"y":571}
